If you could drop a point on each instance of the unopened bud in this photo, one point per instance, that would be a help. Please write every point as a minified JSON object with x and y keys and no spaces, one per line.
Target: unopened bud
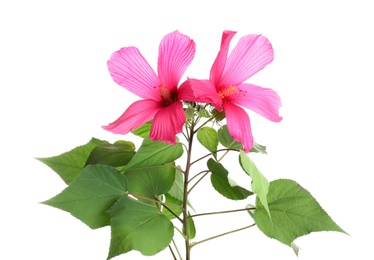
{"x":219,"y":116}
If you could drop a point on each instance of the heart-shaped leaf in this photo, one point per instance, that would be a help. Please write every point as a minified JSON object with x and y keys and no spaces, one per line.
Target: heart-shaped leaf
{"x":208,"y":137}
{"x":294,"y":213}
{"x":70,"y":164}
{"x":138,"y":226}
{"x":89,"y":197}
{"x":152,"y":153}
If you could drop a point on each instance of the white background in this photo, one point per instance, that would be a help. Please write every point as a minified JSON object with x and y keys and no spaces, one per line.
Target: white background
{"x":56,"y":93}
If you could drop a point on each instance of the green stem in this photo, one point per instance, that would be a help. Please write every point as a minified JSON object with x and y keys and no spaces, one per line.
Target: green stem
{"x":166,"y":205}
{"x":220,"y":235}
{"x":206,"y":171}
{"x":220,"y":212}
{"x":197,"y":182}
{"x":227,"y":151}
{"x":185,"y":191}
{"x":175,"y":167}
{"x":150,"y":199}
{"x":207,"y":121}
{"x":176,"y":248}
{"x":172,"y":212}
{"x":187,"y":134}
{"x":219,"y":150}
{"x":179,"y":231}
{"x":172,"y":252}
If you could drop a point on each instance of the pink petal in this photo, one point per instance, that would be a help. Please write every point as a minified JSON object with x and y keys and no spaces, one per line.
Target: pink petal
{"x":238,"y":125}
{"x":203,"y":91}
{"x":168,"y":122}
{"x":185,"y":92}
{"x":135,"y":115}
{"x":263,"y":101}
{"x":130,"y":70}
{"x":250,"y":55}
{"x":220,"y":61}
{"x":175,"y":54}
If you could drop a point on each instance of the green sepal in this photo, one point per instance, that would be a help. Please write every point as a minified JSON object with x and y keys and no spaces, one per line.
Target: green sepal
{"x":218,"y":115}
{"x":202,"y":112}
{"x":258,"y":148}
{"x":189,"y":112}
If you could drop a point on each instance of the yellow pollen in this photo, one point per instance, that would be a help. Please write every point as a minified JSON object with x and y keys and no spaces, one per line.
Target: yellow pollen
{"x":227,"y":91}
{"x":166,"y":96}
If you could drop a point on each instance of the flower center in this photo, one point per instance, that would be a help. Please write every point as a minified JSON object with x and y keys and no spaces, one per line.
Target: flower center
{"x":226,"y":91}
{"x":168,"y":97}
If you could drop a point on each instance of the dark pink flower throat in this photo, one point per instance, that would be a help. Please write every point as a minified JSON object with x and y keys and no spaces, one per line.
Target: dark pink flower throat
{"x":168,"y":97}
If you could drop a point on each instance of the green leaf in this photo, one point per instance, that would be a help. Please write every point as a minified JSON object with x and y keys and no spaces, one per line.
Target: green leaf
{"x":177,"y":189}
{"x":150,"y":181}
{"x":152,"y":153}
{"x":191,"y":228}
{"x":222,"y":184}
{"x":251,"y":209}
{"x":144,"y":130}
{"x":138,"y":226}
{"x":170,"y":201}
{"x":117,"y":154}
{"x":208,"y":137}
{"x":88,"y":198}
{"x":258,"y":148}
{"x":70,"y":164}
{"x":294,"y":213}
{"x":260,"y":185}
{"x":189,"y":112}
{"x":226,"y":139}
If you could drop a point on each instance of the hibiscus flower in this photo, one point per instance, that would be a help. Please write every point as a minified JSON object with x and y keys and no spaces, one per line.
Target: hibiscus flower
{"x":226,"y":91}
{"x":160,"y":94}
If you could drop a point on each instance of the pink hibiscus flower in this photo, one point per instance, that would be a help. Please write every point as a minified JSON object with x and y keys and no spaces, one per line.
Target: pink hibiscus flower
{"x":226,"y":91}
{"x":160,"y":94}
